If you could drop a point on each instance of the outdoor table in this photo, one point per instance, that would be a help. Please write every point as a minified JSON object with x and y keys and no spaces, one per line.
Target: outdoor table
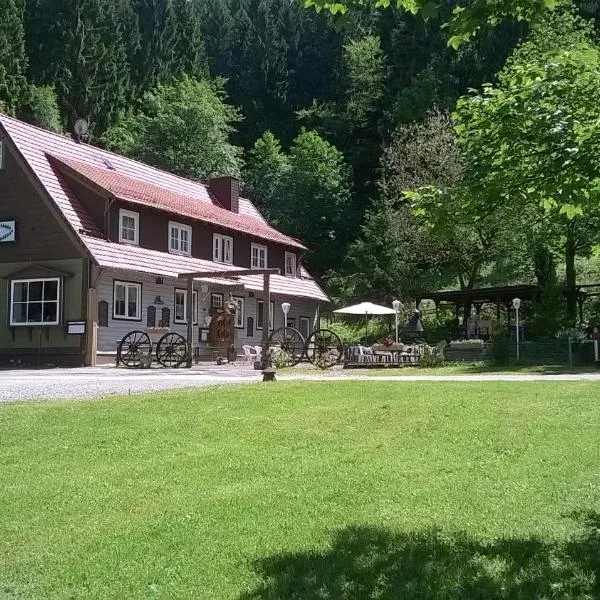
{"x":393,"y":352}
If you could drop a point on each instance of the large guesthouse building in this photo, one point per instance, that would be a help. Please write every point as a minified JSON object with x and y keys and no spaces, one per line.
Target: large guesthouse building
{"x":94,"y":245}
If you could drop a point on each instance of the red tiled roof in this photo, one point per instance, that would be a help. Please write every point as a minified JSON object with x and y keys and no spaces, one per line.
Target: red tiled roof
{"x":126,"y":257}
{"x":34,"y":144}
{"x":132,"y":190}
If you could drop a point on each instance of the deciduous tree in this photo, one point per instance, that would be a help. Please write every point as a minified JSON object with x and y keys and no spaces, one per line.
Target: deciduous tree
{"x":468,"y":16}
{"x":534,"y":138}
{"x":184,"y":127}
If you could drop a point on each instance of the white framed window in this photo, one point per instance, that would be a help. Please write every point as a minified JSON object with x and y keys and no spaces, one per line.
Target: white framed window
{"x":222,"y":248}
{"x":35,"y":302}
{"x":290,"y":264}
{"x":180,"y":315}
{"x":180,"y":238}
{"x":129,"y":227}
{"x":216,"y":300}
{"x":239,"y":312}
{"x":127,"y":301}
{"x":304,"y":327}
{"x":260,"y":314}
{"x":258,"y":254}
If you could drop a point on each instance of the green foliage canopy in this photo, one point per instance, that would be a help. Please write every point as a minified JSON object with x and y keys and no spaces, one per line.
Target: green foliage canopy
{"x":531,"y":142}
{"x":183,"y":127}
{"x":468,"y":16}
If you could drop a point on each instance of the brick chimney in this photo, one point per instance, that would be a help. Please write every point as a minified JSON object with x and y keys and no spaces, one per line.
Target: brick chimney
{"x":227,"y":192}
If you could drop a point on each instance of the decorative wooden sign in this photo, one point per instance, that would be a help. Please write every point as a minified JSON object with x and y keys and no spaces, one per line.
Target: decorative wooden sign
{"x":7,"y":231}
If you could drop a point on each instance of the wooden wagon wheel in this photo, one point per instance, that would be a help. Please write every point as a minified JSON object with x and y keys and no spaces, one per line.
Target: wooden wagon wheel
{"x":286,"y":346}
{"x":171,"y":350}
{"x":324,"y":348}
{"x":135,"y":349}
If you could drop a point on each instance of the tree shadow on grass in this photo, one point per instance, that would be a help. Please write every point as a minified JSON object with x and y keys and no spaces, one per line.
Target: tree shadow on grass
{"x":371,"y":563}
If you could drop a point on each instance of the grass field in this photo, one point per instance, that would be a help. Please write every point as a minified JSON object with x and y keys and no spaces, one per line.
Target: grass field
{"x":339,"y":490}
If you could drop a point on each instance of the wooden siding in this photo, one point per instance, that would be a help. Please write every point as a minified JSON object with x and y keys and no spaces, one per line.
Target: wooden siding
{"x":117,"y":328}
{"x":24,"y":339}
{"x":153,"y":234}
{"x":39,"y":234}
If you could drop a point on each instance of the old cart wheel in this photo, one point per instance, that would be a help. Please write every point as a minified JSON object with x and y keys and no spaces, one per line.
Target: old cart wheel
{"x":135,"y":350}
{"x":171,"y":350}
{"x":286,"y":346}
{"x":324,"y":348}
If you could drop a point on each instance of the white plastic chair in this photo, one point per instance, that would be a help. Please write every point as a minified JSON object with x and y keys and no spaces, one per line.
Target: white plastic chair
{"x":250,"y":355}
{"x":258,"y":353}
{"x":365,"y":354}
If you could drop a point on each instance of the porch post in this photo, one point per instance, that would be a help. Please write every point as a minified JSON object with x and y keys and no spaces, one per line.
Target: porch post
{"x":91,"y":328}
{"x":266,"y":318}
{"x":189,"y":311}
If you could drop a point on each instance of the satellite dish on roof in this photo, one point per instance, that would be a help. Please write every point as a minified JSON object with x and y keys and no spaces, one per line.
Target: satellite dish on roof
{"x":80,"y":127}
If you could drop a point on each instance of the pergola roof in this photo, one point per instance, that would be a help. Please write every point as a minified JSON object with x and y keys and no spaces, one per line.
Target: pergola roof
{"x":498,"y":294}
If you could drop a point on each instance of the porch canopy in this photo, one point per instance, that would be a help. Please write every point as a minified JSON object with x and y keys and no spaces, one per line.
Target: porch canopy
{"x":227,"y":274}
{"x":368,"y":309}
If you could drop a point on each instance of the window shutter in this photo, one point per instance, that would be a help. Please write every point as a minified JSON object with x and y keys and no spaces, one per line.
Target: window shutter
{"x":249,"y":326}
{"x":165,"y":319}
{"x":217,"y":248}
{"x":151,"y":316}
{"x":102,"y":313}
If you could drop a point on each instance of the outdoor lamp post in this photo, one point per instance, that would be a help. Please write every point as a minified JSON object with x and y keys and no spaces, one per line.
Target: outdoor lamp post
{"x":516,"y":303}
{"x":396,"y":304}
{"x":285,"y":307}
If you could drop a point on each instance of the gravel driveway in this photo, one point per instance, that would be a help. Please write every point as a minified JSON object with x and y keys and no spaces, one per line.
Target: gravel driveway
{"x":92,"y":382}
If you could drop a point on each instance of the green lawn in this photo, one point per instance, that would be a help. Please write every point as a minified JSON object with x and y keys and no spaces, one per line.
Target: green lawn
{"x":339,"y":490}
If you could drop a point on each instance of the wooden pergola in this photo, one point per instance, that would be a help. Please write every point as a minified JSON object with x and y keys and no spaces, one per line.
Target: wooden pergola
{"x":231,"y":274}
{"x":502,"y":296}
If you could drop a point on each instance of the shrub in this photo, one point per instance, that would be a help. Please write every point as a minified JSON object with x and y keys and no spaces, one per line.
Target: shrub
{"x":501,"y":346}
{"x":432,"y":356}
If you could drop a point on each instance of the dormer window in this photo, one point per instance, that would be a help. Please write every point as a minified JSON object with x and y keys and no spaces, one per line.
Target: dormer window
{"x":258,"y":255}
{"x":129,"y":227}
{"x":180,"y":238}
{"x":222,"y":248}
{"x":290,"y":264}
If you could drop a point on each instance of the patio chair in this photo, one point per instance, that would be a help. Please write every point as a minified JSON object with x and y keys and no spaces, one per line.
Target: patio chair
{"x":472,"y":327}
{"x":484,"y":329}
{"x":258,"y":353}
{"x":250,"y":355}
{"x":365,"y":354}
{"x":409,"y":355}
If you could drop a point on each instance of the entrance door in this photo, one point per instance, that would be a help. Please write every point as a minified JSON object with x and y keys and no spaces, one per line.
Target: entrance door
{"x":222,"y":330}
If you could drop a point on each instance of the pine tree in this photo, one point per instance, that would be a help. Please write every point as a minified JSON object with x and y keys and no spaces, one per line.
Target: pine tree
{"x":191,"y":54}
{"x":81,"y":47}
{"x":13,"y":58}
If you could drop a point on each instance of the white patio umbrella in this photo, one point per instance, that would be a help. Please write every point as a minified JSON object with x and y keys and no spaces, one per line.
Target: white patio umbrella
{"x":367,"y":309}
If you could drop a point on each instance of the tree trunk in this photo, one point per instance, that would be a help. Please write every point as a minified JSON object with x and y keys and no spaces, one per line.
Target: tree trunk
{"x":571,"y":277}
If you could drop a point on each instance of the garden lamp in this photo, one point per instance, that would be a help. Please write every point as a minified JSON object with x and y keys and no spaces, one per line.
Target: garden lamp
{"x":516,"y":304}
{"x":396,"y":304}
{"x":285,"y":307}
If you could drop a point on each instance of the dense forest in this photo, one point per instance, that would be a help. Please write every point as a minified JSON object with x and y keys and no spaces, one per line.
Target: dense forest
{"x":327,"y":120}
